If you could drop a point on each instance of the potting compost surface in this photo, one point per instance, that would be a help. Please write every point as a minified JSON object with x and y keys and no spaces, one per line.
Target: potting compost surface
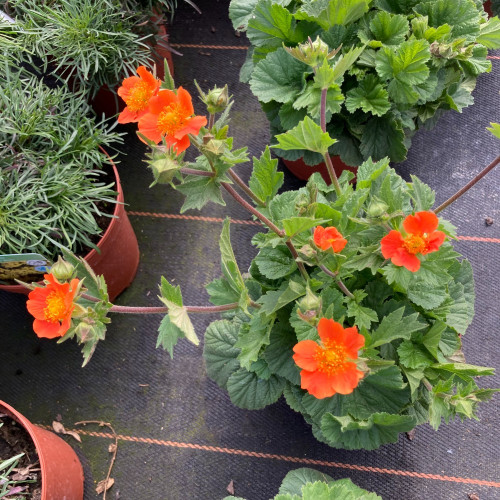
{"x":180,"y":437}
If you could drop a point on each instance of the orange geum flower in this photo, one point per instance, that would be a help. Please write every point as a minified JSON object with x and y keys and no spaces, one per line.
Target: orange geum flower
{"x":170,"y":116}
{"x":329,"y":368}
{"x":420,"y":237}
{"x":136,"y":91}
{"x":329,"y":237}
{"x":52,"y":306}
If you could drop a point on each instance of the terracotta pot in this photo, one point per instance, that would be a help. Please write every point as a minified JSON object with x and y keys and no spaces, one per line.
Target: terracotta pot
{"x":108,"y":102}
{"x":62,"y":473}
{"x":118,"y":257}
{"x":303,"y":171}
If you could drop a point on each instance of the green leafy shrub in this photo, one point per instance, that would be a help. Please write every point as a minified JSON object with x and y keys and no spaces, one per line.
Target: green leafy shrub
{"x":51,"y":187}
{"x":401,"y":64}
{"x":309,"y":484}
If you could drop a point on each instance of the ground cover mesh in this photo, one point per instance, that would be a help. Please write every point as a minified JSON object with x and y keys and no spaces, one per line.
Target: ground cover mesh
{"x":181,"y":436}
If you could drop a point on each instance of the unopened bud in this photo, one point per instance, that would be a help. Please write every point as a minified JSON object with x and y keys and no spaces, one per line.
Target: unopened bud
{"x":164,"y":165}
{"x":377,"y":208}
{"x":312,"y":53}
{"x":62,"y":270}
{"x":85,"y":331}
{"x":310,"y":302}
{"x":216,"y":100}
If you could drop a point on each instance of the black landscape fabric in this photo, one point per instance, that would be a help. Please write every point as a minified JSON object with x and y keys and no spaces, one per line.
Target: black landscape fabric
{"x":181,"y":437}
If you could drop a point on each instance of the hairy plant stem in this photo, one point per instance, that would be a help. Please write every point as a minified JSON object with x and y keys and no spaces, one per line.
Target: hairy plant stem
{"x":476,"y":179}
{"x":164,"y":310}
{"x":193,"y":171}
{"x":252,"y":210}
{"x":295,"y":255}
{"x":238,"y":180}
{"x":326,"y":156}
{"x":339,"y":282}
{"x":211,"y":121}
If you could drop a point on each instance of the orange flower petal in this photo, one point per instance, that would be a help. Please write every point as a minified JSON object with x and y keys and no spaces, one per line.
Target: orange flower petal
{"x":420,"y":223}
{"x":391,"y":244}
{"x":330,"y":331}
{"x":127,"y":116}
{"x":305,"y":351}
{"x":164,"y":98}
{"x":193,"y":126}
{"x":353,"y":341}
{"x":434,"y":241}
{"x":184,"y":99}
{"x":148,"y":126}
{"x":405,"y":259}
{"x":346,"y":381}
{"x":317,"y":384}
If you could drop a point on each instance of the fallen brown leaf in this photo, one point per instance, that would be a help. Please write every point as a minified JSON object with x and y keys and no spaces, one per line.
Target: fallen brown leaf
{"x":473,"y":496}
{"x":411,"y":434}
{"x":104,"y":486}
{"x":59,"y":428}
{"x":230,"y":487}
{"x":112,"y":448}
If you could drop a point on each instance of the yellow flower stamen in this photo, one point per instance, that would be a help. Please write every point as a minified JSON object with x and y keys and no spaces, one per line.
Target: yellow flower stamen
{"x":55,"y":309}
{"x":414,"y":244}
{"x":171,"y":120}
{"x":139,"y":96}
{"x":331,"y":358}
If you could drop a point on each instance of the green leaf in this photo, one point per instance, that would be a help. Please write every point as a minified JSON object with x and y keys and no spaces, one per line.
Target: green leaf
{"x":168,"y":336}
{"x":248,"y":391}
{"x":369,"y":434}
{"x":270,"y":25}
{"x":363,"y":316}
{"x":171,"y":296}
{"x":328,"y":13}
{"x":383,"y":136}
{"x":276,"y":262}
{"x":252,"y":337}
{"x":396,"y":326}
{"x":413,"y":356}
{"x":345,"y":61}
{"x":383,"y":391}
{"x":389,"y":29}
{"x":462,"y":273}
{"x":274,"y":300}
{"x":316,"y":491}
{"x":310,"y":98}
{"x":240,"y":12}
{"x":432,"y":338}
{"x":461,"y":14}
{"x":422,"y":195}
{"x":458,"y":316}
{"x":414,"y":378}
{"x":369,"y":171}
{"x":306,"y":135}
{"x":370,"y":96}
{"x":199,"y":190}
{"x":265,"y":180}
{"x":464,"y":369}
{"x":228,"y":260}
{"x":289,"y":116}
{"x":296,"y":225}
{"x":221,"y":292}
{"x":421,"y":294}
{"x":279,"y":353}
{"x":490,"y":34}
{"x":219,"y":351}
{"x":279,"y":77}
{"x":294,"y":481}
{"x":494,"y":129}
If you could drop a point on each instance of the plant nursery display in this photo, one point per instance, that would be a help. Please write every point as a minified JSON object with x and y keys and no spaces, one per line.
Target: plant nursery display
{"x":52,"y":183}
{"x":309,"y":484}
{"x":397,"y":66}
{"x":354,"y":305}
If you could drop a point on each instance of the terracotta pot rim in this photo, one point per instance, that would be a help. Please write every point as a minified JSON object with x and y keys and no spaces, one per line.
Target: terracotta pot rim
{"x":118,"y":207}
{"x":28,"y":427}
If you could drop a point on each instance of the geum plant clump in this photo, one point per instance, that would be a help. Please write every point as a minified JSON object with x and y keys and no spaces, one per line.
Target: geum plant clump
{"x":413,"y":61}
{"x":353,"y":307}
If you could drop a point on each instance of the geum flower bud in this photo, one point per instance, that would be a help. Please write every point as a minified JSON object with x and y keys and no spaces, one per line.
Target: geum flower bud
{"x":312,"y":53}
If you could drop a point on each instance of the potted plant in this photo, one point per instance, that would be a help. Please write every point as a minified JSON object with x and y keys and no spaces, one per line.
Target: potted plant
{"x":353,"y":307}
{"x":309,"y":484}
{"x":397,"y":67}
{"x":61,"y":471}
{"x":53,"y":184}
{"x":92,"y":45}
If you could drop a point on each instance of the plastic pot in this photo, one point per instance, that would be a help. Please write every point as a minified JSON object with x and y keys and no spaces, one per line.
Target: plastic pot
{"x":303,"y":171}
{"x":487,"y":8}
{"x":61,"y":471}
{"x":118,"y":256}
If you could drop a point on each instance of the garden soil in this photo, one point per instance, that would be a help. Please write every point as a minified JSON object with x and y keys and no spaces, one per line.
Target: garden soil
{"x":179,"y":435}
